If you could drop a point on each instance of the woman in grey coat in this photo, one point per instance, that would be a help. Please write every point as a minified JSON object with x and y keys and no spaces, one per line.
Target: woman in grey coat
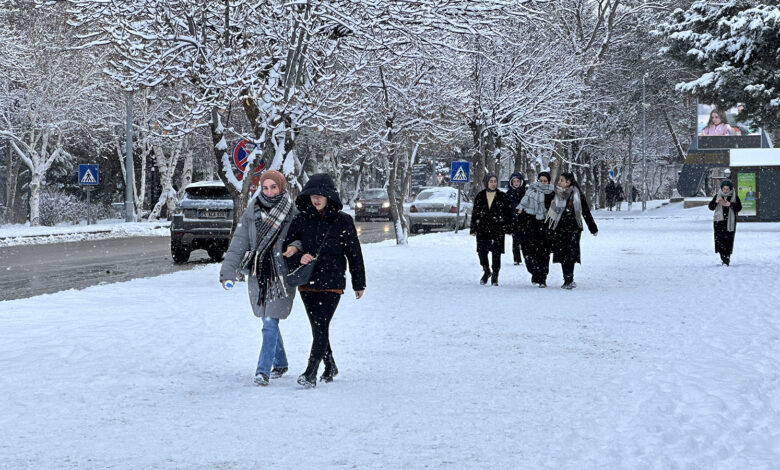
{"x":261,"y":231}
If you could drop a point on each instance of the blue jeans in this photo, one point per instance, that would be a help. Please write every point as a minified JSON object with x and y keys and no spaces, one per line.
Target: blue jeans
{"x":272,"y":352}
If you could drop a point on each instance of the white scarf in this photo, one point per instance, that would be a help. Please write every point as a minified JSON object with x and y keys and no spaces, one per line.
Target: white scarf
{"x":562,"y":196}
{"x":731,"y":225}
{"x":533,"y":201}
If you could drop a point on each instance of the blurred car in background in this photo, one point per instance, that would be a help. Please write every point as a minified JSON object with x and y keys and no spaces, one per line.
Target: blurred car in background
{"x":438,"y":208}
{"x":203,"y":220}
{"x":372,"y":203}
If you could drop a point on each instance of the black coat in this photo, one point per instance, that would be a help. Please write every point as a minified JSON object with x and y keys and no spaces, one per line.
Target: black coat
{"x":565,"y":238}
{"x":724,"y":240}
{"x":491,"y":224}
{"x":515,"y":196}
{"x":341,"y":244}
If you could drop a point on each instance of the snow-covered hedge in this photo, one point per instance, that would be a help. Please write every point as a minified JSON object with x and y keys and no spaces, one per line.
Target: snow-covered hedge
{"x":58,"y":206}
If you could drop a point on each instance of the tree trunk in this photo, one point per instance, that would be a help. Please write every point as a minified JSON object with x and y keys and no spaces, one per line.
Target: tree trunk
{"x":11,"y":179}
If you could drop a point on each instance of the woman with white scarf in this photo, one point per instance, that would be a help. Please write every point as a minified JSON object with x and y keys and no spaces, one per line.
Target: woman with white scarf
{"x":726,"y":205}
{"x":260,"y":234}
{"x":536,"y":239}
{"x":568,"y":207}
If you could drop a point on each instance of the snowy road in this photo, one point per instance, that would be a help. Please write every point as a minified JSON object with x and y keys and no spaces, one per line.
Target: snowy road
{"x":660,"y":359}
{"x":29,"y":270}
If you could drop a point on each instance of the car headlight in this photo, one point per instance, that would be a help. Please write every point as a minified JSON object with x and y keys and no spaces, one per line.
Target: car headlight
{"x":359,"y":205}
{"x":385,"y":205}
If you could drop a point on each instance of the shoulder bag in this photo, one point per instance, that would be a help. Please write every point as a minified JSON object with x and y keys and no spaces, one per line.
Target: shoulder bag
{"x":301,"y":275}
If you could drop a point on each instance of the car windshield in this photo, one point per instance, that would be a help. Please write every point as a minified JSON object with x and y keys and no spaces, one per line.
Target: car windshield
{"x":375,"y":194}
{"x":435,"y":194}
{"x":207,"y":192}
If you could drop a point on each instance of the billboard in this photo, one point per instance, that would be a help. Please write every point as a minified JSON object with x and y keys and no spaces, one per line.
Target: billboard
{"x":718,"y":128}
{"x":746,"y":190}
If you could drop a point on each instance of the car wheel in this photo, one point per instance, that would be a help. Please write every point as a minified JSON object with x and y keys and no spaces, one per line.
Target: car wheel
{"x":179,"y":253}
{"x":216,"y":254}
{"x":414,"y":228}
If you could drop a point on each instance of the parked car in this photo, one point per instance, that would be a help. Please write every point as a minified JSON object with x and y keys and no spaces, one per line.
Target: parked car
{"x":203,"y":220}
{"x":438,"y":208}
{"x":372,"y":203}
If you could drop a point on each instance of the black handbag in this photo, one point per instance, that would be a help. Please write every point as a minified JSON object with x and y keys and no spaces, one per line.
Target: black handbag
{"x":301,"y":275}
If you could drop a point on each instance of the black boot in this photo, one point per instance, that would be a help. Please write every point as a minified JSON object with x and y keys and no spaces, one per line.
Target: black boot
{"x":330,"y":369}
{"x":494,"y":277}
{"x":309,"y":377}
{"x":485,"y":275}
{"x":725,"y":259}
{"x":568,"y":282}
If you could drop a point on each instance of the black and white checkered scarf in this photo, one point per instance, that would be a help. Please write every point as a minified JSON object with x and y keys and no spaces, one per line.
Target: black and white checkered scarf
{"x":270,"y":213}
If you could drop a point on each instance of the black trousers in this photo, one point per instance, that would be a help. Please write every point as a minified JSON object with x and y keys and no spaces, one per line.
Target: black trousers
{"x":568,"y":270}
{"x":516,"y":249}
{"x":320,"y":307}
{"x":483,"y":260}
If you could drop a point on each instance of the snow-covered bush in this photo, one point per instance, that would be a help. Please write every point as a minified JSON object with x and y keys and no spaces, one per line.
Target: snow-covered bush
{"x":57,"y":206}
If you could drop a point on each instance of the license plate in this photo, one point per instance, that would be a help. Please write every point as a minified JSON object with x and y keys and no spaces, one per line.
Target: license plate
{"x":372,"y":210}
{"x":212,"y":214}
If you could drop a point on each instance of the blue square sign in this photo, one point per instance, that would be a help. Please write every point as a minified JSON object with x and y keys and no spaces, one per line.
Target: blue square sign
{"x":459,"y":172}
{"x":88,"y":175}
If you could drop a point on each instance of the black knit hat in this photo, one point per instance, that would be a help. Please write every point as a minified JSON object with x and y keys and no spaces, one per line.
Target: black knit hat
{"x":545,"y":173}
{"x":727,"y":183}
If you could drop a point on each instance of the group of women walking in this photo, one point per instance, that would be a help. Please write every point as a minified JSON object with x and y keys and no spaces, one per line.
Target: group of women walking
{"x":276,"y":236}
{"x":542,"y":219}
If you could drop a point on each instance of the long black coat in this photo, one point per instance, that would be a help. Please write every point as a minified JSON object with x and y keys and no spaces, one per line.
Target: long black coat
{"x":724,"y":240}
{"x":514,"y":196}
{"x":341,"y":244}
{"x":565,"y":238}
{"x":491,"y":224}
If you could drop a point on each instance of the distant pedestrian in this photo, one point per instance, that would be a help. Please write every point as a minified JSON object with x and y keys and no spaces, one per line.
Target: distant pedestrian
{"x":515,"y":194}
{"x":261,"y":231}
{"x":610,"y":191}
{"x":726,"y":205}
{"x":536,"y":237}
{"x":568,"y":207}
{"x":491,"y":220}
{"x":322,"y":228}
{"x":618,"y":196}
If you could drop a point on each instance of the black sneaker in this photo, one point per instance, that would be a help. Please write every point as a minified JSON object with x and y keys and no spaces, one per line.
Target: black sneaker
{"x":278,"y":372}
{"x":484,"y":278}
{"x":569,"y":285}
{"x":542,"y":285}
{"x":261,"y":379}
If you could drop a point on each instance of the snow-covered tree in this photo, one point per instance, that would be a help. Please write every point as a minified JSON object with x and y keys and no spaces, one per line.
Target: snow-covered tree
{"x":733,"y":46}
{"x":55,"y":96}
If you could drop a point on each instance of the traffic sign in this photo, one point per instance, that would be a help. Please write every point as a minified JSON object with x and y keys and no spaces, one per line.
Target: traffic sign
{"x":459,"y":172}
{"x":241,"y":154}
{"x":88,"y":175}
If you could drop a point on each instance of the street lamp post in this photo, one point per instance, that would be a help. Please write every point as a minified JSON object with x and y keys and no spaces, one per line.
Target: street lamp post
{"x":645,"y":105}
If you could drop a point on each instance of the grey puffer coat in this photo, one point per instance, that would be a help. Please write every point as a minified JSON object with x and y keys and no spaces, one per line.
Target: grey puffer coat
{"x":245,"y":238}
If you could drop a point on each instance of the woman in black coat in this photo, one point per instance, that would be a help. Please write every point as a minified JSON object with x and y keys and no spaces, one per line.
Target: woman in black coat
{"x":536,"y":238}
{"x":726,"y":205}
{"x":568,"y":207}
{"x":491,"y":220}
{"x":515,"y":194}
{"x":322,"y":227}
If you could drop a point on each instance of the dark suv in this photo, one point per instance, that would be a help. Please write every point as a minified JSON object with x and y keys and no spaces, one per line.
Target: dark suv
{"x":203,"y":220}
{"x":372,"y":203}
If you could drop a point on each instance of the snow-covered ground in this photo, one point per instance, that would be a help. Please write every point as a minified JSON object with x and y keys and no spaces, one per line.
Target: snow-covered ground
{"x":24,"y":234}
{"x":660,"y":359}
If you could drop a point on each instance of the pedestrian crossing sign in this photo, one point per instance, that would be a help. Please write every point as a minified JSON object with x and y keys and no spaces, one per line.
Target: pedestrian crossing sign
{"x":88,"y":175}
{"x":459,"y":172}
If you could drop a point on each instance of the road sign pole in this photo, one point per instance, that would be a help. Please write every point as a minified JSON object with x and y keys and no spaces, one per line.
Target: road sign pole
{"x":89,"y":206}
{"x":457,"y":216}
